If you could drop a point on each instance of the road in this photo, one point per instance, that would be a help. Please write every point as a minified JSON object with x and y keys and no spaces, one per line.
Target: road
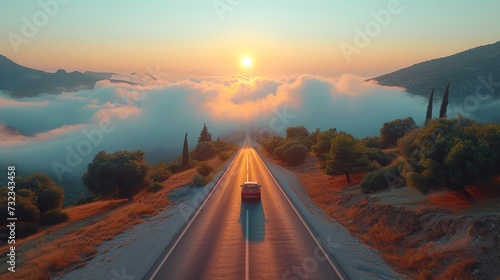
{"x":231,"y":239}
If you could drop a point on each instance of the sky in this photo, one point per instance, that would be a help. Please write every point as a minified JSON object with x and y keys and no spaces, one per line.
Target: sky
{"x":326,"y":37}
{"x":231,"y":64}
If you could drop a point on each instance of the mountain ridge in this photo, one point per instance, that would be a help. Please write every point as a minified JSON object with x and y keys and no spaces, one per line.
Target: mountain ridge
{"x":466,"y":71}
{"x":20,"y":81}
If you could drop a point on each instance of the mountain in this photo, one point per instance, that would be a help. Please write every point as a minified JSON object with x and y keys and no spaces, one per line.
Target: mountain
{"x":100,"y":75}
{"x":19,"y":81}
{"x":465,"y":71}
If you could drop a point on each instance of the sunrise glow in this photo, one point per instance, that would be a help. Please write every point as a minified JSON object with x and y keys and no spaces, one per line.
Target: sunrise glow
{"x":246,"y":62}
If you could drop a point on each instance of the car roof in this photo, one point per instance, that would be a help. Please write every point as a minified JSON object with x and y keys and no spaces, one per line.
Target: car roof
{"x":251,"y":183}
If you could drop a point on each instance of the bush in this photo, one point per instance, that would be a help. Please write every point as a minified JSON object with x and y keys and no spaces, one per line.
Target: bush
{"x":371,"y":142}
{"x":49,"y":195}
{"x":118,"y":175}
{"x":272,"y":143}
{"x":392,"y":131}
{"x":204,"y":169}
{"x":379,"y":156}
{"x":174,"y":166}
{"x":53,"y":217}
{"x":224,"y":155}
{"x":221,"y":146}
{"x":159,"y":174}
{"x":296,"y":154}
{"x":278,"y":152}
{"x":204,"y":151}
{"x":199,"y":180}
{"x":452,"y":154}
{"x":156,"y":186}
{"x":382,"y":179}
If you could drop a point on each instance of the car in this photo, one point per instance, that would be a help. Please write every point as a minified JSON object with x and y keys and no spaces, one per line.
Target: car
{"x":250,"y":190}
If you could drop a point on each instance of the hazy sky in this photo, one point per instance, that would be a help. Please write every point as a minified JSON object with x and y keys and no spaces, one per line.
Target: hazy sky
{"x":212,"y":36}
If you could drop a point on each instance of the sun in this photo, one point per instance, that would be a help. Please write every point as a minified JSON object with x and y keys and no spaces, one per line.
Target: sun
{"x":246,"y":62}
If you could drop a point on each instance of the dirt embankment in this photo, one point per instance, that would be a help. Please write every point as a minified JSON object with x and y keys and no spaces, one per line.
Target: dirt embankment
{"x":438,"y":236}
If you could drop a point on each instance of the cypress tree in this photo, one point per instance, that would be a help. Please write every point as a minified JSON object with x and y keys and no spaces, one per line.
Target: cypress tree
{"x":444,"y":104}
{"x":428,"y":117}
{"x":185,"y":153}
{"x":205,"y":136}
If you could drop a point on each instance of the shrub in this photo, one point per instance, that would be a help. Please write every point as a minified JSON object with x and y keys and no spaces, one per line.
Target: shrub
{"x":296,"y":154}
{"x":371,"y":142}
{"x":451,"y":153}
{"x":382,"y":179}
{"x":392,"y":131}
{"x":199,"y":180}
{"x":118,"y":175}
{"x":53,"y":217}
{"x":278,"y":152}
{"x":224,"y":155}
{"x":204,"y":151}
{"x":379,"y":156}
{"x":204,"y":169}
{"x":174,"y":167}
{"x":159,"y":174}
{"x":156,"y":186}
{"x":221,"y":146}
{"x":272,"y":143}
{"x":49,"y":195}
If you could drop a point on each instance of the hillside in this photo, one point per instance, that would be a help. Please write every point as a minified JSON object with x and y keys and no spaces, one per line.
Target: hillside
{"x":19,"y":81}
{"x":439,"y":236}
{"x":463,"y":70}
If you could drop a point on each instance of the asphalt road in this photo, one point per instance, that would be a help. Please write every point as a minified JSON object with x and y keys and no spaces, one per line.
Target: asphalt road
{"x":231,"y":239}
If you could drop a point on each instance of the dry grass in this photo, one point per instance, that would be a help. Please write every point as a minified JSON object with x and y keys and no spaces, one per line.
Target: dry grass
{"x":354,"y":210}
{"x":448,"y":201}
{"x":87,"y":210}
{"x":80,"y":244}
{"x":385,"y":235}
{"x":459,"y":270}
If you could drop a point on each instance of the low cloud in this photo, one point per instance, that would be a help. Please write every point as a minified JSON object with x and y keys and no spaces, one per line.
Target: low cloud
{"x":153,"y":115}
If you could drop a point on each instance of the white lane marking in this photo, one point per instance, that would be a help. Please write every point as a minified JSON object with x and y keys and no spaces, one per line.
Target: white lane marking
{"x":247,"y":252}
{"x":247,"y":166}
{"x":327,"y":256}
{"x":192,"y":220}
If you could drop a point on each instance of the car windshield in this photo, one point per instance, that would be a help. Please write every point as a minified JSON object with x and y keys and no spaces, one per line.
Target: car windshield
{"x":250,"y":186}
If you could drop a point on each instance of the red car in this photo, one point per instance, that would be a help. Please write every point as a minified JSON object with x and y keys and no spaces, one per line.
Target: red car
{"x":250,"y":190}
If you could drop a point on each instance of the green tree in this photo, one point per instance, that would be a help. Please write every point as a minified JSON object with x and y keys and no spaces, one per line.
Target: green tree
{"x":273,"y":142}
{"x":469,"y":162}
{"x":314,"y":136}
{"x":371,"y":141}
{"x":296,"y":154}
{"x":297,"y":131}
{"x":204,"y":169}
{"x":118,"y":175}
{"x":185,"y":153}
{"x":204,"y":151}
{"x":27,"y":212}
{"x":451,"y":153}
{"x":392,"y":131}
{"x":323,"y":144}
{"x":444,"y":104}
{"x":49,"y":195}
{"x":159,"y":172}
{"x":428,"y":116}
{"x":205,"y":136}
{"x":347,"y":155}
